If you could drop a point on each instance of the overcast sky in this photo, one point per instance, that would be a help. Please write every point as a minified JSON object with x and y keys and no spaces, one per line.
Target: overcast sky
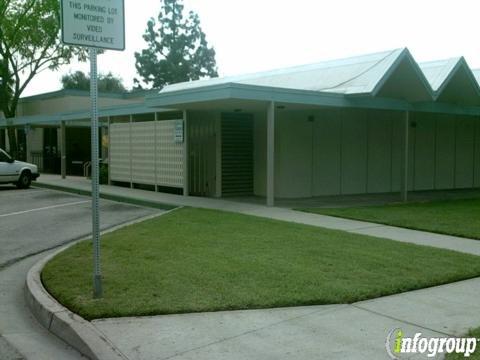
{"x":256,"y":35}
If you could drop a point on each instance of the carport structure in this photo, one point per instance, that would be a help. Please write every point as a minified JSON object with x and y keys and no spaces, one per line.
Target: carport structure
{"x":370,"y":124}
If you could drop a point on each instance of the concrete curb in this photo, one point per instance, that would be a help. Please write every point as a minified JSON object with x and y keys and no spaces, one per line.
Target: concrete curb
{"x":68,"y":326}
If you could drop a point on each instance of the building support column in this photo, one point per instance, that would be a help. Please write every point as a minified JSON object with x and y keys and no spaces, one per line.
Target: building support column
{"x":28,"y":130}
{"x":185,"y":154}
{"x":109,"y":181}
{"x":63,"y":150}
{"x":405,"y":157}
{"x":155,"y":149}
{"x":131,"y":151}
{"x":218,"y":157}
{"x":271,"y":154}
{"x":2,"y":139}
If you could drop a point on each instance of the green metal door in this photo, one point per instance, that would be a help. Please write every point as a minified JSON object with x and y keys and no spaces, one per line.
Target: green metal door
{"x":201,"y":149}
{"x":237,"y":154}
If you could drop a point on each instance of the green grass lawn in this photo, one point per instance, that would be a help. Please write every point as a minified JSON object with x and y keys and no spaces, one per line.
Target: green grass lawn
{"x":476,"y":355}
{"x":452,"y":217}
{"x":193,"y":260}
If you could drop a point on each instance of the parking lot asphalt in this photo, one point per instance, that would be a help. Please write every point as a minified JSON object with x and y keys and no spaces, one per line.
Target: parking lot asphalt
{"x":35,"y":220}
{"x":32,"y":222}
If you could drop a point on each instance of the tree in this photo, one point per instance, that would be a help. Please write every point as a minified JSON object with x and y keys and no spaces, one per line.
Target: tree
{"x":6,"y":87}
{"x":106,"y":82}
{"x":177,"y":49}
{"x":77,"y":80}
{"x":29,"y":44}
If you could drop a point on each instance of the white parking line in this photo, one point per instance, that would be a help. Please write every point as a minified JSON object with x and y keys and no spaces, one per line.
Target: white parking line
{"x":45,"y":208}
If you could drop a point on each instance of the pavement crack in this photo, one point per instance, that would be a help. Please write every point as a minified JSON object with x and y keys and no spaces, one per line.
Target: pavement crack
{"x":402,"y":320}
{"x":336,"y":308}
{"x":107,"y":341}
{"x":23,"y":257}
{"x":365,"y":228}
{"x":50,"y":322}
{"x":8,"y":350}
{"x":84,"y":236}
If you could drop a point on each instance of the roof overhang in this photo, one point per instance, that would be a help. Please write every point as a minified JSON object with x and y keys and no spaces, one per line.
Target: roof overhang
{"x":224,"y":93}
{"x":226,"y":96}
{"x":78,"y":116}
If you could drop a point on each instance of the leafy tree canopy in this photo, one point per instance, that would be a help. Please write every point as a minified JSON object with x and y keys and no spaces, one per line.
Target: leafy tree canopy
{"x":29,"y":43}
{"x":177,"y":48}
{"x":106,"y":82}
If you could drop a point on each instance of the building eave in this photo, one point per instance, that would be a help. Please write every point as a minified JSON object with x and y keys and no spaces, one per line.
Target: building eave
{"x":232,"y":91}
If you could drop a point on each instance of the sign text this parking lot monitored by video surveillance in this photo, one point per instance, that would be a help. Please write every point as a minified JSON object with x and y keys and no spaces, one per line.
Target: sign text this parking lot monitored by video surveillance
{"x":94,"y":23}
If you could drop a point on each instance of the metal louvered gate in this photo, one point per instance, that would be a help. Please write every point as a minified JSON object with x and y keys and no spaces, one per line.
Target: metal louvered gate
{"x":201,"y":161}
{"x":237,"y":154}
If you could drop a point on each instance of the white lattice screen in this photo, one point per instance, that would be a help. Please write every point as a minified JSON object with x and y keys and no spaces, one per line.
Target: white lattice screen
{"x":140,"y":149}
{"x":119,"y":166}
{"x":169,"y":155}
{"x":143,"y":152}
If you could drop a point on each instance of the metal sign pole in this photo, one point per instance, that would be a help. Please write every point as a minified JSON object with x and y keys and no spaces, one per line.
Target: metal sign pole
{"x":97,"y":276}
{"x":81,"y":22}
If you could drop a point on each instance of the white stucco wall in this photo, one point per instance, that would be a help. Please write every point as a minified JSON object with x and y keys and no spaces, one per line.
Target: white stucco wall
{"x":476,"y":173}
{"x":349,"y":151}
{"x":259,"y":153}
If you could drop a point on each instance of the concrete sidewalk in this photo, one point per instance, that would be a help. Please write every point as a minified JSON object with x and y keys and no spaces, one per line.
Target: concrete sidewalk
{"x":277,"y":213}
{"x":18,"y":325}
{"x":356,"y":331}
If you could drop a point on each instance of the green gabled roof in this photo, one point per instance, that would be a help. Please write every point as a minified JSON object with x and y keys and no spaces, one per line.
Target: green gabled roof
{"x":385,"y":80}
{"x":85,"y":93}
{"x":393,"y":74}
{"x":452,"y":81}
{"x":353,"y":75}
{"x":359,"y":75}
{"x":438,"y":71}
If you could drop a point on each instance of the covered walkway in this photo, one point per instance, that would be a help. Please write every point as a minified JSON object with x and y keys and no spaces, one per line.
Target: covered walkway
{"x":372,"y":124}
{"x":369,"y":124}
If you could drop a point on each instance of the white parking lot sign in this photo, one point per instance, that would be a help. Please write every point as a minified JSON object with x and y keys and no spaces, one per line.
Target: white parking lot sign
{"x":94,"y":23}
